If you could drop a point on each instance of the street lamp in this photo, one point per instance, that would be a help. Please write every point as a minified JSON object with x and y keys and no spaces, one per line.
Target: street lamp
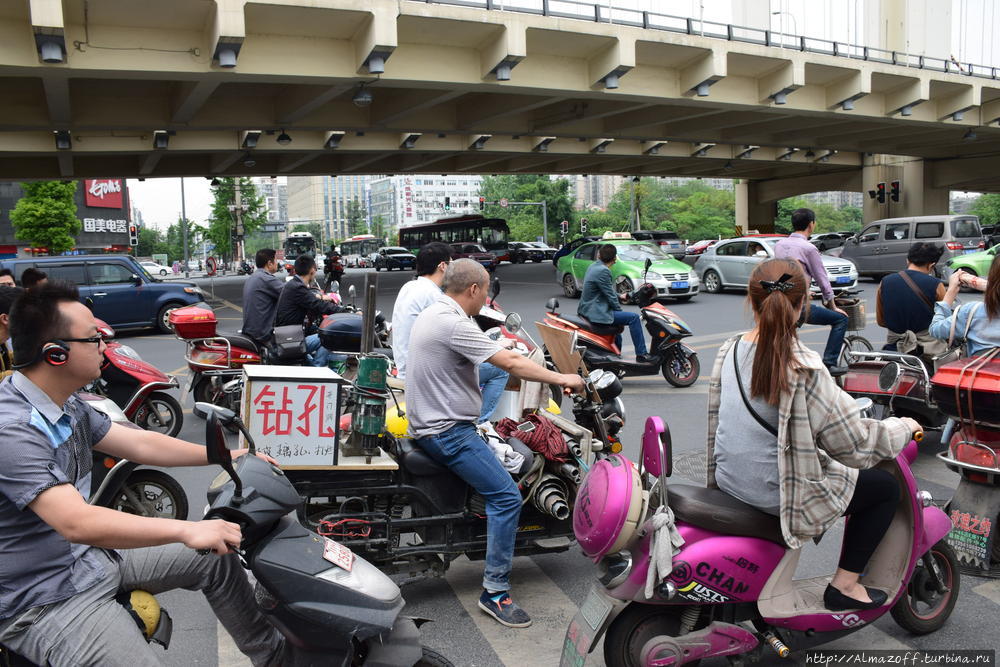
{"x":795,"y":25}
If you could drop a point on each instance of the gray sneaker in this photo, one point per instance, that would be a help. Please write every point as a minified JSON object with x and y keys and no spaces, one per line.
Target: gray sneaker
{"x":501,"y":607}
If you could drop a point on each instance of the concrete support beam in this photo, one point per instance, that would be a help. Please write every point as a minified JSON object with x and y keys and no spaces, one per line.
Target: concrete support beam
{"x":989,"y":112}
{"x":221,"y":163}
{"x":399,"y":107}
{"x":229,"y":27}
{"x":358,"y":164}
{"x":303,"y":100}
{"x":292,"y":162}
{"x":782,"y":188}
{"x":57,"y":100}
{"x":65,"y":164}
{"x":709,"y":69}
{"x":907,"y":95}
{"x":510,"y":46}
{"x":618,"y":60}
{"x":189,"y":98}
{"x":426,"y":160}
{"x":850,"y":88}
{"x":751,"y":212}
{"x":971,"y":96}
{"x":490,"y":108}
{"x":149,"y":162}
{"x":377,"y":36}
{"x":785,"y":80}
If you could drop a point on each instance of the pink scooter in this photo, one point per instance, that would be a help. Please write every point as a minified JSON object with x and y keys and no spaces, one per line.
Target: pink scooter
{"x":731,"y":592}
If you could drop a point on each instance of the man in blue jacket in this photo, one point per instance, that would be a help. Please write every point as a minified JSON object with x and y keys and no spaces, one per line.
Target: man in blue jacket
{"x":599,"y":303}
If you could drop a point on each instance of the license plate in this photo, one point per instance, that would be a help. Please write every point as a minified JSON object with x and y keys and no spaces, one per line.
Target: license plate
{"x":338,"y":554}
{"x":583,"y":629}
{"x":843,"y":280}
{"x":679,"y":284}
{"x":968,"y":250}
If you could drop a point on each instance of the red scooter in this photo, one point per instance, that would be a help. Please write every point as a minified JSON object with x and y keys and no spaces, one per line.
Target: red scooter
{"x":137,"y":387}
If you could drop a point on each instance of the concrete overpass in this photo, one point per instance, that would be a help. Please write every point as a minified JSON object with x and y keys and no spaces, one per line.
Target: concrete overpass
{"x":142,"y":88}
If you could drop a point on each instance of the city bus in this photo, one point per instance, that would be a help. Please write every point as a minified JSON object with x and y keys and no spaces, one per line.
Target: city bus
{"x":299,"y":243}
{"x":491,"y":233}
{"x":357,"y":250}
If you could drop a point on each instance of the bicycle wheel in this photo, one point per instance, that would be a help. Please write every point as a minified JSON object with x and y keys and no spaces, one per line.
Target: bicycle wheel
{"x":854,"y":344}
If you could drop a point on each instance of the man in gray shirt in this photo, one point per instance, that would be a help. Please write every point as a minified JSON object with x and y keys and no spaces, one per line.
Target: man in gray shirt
{"x":443,"y":403}
{"x":260,"y":297}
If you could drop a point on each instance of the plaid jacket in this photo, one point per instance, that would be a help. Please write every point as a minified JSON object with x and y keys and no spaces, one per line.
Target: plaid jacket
{"x":822,"y":442}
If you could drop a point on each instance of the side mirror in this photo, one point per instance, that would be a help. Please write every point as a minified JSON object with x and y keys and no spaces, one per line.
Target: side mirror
{"x":495,"y":288}
{"x":335,"y":286}
{"x":512,"y":323}
{"x":855,"y":240}
{"x":136,"y":279}
{"x":552,"y":305}
{"x":647,"y":264}
{"x":203,"y":410}
{"x":657,"y":448}
{"x":888,"y":376}
{"x":351,"y":292}
{"x":217,"y":453}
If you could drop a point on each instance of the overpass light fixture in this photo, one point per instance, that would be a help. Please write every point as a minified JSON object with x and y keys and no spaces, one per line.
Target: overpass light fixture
{"x":363,"y":97}
{"x":376,"y":62}
{"x":728,"y":166}
{"x":970,"y":135}
{"x":958,"y":115}
{"x":611,"y":81}
{"x":701,"y":90}
{"x":599,"y":145}
{"x":64,"y":141}
{"x":906,"y":110}
{"x":248,"y":161}
{"x":160,"y":139}
{"x":409,"y":140}
{"x":781,"y":97}
{"x":847,"y":105}
{"x":543,"y":144}
{"x":702,"y":149}
{"x":825,"y":157}
{"x":283,"y":138}
{"x":747,"y":151}
{"x":332,"y":139}
{"x":789,"y":152}
{"x":810,"y":153}
{"x":654,"y":147}
{"x":226,"y":54}
{"x":215,"y":183}
{"x":51,"y":49}
{"x":502,"y":70}
{"x":249,"y":138}
{"x":479,"y":142}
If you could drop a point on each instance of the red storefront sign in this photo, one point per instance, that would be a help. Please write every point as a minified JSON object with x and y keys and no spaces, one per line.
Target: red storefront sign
{"x":104,"y":193}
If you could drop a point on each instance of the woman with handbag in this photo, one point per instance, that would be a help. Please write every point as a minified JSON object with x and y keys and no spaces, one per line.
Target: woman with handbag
{"x":979,"y":322}
{"x":785,"y":438}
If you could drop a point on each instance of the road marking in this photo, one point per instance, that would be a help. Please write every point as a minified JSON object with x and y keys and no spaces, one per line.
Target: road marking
{"x":229,"y":304}
{"x":550,"y":609}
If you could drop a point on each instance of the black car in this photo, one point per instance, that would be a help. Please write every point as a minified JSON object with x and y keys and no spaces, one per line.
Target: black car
{"x":521,"y":252}
{"x":393,"y":257}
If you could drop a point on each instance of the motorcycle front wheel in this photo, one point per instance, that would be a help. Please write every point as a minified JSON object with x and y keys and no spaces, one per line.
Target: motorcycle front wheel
{"x":680,"y":369}
{"x":152,"y":493}
{"x":635,"y":626}
{"x":160,"y":412}
{"x":922,"y":609}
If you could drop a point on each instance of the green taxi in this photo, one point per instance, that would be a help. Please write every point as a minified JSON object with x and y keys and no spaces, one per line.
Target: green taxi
{"x":976,"y":263}
{"x":672,"y":278}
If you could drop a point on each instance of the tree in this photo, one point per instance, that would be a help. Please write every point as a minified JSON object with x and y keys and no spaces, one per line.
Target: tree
{"x":46,"y":216}
{"x":222,"y":222}
{"x":525,"y":222}
{"x":149,"y":239}
{"x":378,"y":227}
{"x":987,"y":207}
{"x":356,"y":218}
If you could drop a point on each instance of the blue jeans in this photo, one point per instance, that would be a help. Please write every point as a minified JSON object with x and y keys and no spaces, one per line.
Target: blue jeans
{"x":492,"y":381}
{"x":634,"y":324}
{"x":319,"y":356}
{"x":464,"y":451}
{"x":838,"y":327}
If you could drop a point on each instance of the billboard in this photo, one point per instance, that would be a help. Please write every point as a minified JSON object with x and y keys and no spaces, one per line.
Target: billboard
{"x":103,"y":193}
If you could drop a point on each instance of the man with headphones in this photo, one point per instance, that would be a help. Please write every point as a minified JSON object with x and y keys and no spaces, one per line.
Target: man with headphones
{"x":66,"y":560}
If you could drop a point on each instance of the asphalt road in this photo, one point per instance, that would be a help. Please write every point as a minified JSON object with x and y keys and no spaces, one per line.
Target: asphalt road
{"x":550,"y":586}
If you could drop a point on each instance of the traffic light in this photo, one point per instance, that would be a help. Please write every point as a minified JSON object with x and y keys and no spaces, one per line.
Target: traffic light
{"x":564,"y":227}
{"x":447,"y":202}
{"x":583,"y":225}
{"x":894,"y":191}
{"x":880,"y":193}
{"x":133,"y":235}
{"x":482,"y":203}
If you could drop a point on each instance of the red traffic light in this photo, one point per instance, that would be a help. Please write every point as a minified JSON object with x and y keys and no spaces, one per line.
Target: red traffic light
{"x":880,"y":193}
{"x":894,"y":191}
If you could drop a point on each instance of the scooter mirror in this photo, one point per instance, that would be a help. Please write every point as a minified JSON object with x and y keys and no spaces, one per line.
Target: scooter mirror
{"x":203,"y":410}
{"x":351,"y":292}
{"x":647,"y":264}
{"x":495,"y":288}
{"x":552,"y":305}
{"x":335,"y":286}
{"x":888,"y":376}
{"x":215,"y":443}
{"x":512,"y":323}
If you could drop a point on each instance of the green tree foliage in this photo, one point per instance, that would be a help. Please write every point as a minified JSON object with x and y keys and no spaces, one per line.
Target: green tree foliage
{"x":314,"y":228}
{"x":222,"y":223}
{"x":356,"y":218}
{"x":828,"y":218}
{"x":150,"y":242}
{"x":46,"y":216}
{"x":987,"y":207}
{"x":525,"y":222}
{"x":380,"y":230}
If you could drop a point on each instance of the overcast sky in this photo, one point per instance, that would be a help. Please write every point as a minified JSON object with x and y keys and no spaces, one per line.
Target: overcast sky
{"x":973,"y":25}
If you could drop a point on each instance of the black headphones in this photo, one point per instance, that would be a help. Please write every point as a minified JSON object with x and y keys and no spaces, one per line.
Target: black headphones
{"x":54,"y":353}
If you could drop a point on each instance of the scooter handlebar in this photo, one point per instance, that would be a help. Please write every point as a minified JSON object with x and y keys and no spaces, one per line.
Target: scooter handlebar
{"x":918,"y":436}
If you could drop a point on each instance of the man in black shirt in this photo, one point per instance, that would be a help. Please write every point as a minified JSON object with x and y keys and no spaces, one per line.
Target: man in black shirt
{"x":8,"y":295}
{"x":904,"y":303}
{"x":298,"y":302}
{"x":260,"y":297}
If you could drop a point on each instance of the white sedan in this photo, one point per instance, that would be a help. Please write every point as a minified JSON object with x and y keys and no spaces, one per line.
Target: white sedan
{"x":155,"y":269}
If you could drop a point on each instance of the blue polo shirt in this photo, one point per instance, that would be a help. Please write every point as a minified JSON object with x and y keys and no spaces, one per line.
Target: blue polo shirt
{"x":42,"y":445}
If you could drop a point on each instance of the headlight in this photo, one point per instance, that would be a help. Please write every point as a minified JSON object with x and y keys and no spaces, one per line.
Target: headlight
{"x":693,"y":278}
{"x":653,"y":275}
{"x":129,"y":352}
{"x":193,"y":290}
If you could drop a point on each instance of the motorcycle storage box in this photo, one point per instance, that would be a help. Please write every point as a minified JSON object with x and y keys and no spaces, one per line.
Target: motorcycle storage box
{"x":193,"y":322}
{"x":985,"y":388}
{"x":341,"y":332}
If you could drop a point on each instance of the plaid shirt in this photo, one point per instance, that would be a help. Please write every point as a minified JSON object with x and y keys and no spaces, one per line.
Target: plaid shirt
{"x":822,"y":442}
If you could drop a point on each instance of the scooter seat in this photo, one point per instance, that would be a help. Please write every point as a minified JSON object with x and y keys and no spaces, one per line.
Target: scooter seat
{"x":718,"y":511}
{"x":239,"y":340}
{"x":593,"y":327}
{"x":417,"y":461}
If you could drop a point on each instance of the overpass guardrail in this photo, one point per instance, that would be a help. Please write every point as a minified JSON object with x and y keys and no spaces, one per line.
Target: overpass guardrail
{"x":606,"y":13}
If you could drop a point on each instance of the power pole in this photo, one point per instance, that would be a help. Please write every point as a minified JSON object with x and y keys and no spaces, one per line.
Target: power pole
{"x":237,"y":209}
{"x":187,"y":259}
{"x":545,"y":222}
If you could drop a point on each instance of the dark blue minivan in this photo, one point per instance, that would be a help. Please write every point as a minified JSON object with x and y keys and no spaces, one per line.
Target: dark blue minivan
{"x":121,"y":292}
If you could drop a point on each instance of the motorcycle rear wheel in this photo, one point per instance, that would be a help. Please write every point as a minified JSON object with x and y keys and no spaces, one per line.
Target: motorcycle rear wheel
{"x":681,"y":370}
{"x":635,"y":626}
{"x":168,"y":409}
{"x":432,"y":658}
{"x":158,"y":493}
{"x":922,"y":609}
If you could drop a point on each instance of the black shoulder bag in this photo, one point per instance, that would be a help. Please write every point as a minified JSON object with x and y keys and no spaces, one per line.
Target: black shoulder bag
{"x":739,"y":383}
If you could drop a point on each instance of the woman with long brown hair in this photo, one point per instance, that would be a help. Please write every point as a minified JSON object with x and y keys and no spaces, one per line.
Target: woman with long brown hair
{"x":978,"y":323}
{"x":783,"y":437}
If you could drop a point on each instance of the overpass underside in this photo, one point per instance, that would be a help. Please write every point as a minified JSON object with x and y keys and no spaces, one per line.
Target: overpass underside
{"x":141,"y":92}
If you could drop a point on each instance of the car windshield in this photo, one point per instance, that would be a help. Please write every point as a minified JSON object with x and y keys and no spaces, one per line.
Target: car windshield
{"x":637,"y":252}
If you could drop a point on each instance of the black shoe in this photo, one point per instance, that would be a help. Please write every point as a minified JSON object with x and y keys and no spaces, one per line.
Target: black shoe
{"x":836,"y":371}
{"x":834,"y":600}
{"x":644,"y":358}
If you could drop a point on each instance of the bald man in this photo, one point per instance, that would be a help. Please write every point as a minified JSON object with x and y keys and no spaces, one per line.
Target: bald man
{"x":443,"y":403}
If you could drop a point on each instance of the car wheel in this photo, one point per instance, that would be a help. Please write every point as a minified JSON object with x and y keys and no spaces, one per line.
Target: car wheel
{"x":712,"y":282}
{"x":569,"y":286}
{"x":163,"y":317}
{"x":163,"y":272}
{"x":624,"y":287}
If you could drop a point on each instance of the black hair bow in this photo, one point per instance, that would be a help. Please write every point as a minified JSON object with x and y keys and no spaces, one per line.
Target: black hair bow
{"x":782,"y":284}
